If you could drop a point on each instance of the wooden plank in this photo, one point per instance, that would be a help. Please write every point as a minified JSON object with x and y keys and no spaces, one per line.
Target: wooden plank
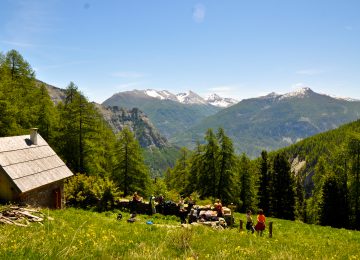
{"x":25,"y":213}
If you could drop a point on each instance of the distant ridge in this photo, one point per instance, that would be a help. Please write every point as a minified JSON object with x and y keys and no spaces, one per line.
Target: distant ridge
{"x":169,"y":113}
{"x":275,"y":120}
{"x":189,"y":97}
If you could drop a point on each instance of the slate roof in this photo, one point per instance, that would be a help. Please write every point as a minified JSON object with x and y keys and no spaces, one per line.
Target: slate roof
{"x":31,"y":166}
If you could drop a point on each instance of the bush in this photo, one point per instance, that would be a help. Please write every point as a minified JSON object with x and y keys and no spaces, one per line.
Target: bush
{"x":91,"y":192}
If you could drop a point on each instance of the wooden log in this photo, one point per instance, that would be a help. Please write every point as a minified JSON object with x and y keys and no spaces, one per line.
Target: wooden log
{"x":11,"y":222}
{"x":270,"y":228}
{"x":241,"y":225}
{"x":6,"y":221}
{"x":27,"y":214}
{"x":30,"y":210}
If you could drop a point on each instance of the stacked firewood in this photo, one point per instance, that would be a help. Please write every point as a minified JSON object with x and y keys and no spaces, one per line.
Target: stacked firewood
{"x":20,"y":216}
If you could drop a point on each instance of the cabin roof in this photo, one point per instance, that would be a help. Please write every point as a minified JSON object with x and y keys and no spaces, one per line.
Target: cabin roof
{"x":31,"y":166}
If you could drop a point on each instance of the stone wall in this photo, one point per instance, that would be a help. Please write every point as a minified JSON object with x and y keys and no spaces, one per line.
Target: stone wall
{"x":45,"y":196}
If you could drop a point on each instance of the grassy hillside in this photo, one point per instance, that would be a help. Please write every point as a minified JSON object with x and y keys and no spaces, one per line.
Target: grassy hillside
{"x":78,"y":234}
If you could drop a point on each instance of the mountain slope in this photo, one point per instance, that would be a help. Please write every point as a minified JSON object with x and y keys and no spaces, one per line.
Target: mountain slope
{"x":307,"y":152}
{"x":137,"y":121}
{"x":168,"y":115}
{"x":275,"y":121}
{"x":56,"y":94}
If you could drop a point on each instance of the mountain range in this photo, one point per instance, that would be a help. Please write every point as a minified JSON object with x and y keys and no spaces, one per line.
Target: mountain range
{"x":169,"y":113}
{"x":263,"y":123}
{"x":189,"y":97}
{"x":274,"y":121}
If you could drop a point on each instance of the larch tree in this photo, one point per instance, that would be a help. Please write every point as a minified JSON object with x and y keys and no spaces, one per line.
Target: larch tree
{"x":209,"y":166}
{"x":46,"y":114}
{"x":178,"y":177}
{"x":195,"y":163}
{"x":77,"y":125}
{"x":130,"y":172}
{"x":227,"y":167}
{"x":246,"y":184}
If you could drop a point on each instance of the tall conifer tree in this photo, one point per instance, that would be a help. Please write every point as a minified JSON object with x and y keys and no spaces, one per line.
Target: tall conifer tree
{"x":209,"y":169}
{"x":283,"y":194}
{"x":227,"y":167}
{"x":264,"y":184}
{"x":130,"y":171}
{"x":246,"y":184}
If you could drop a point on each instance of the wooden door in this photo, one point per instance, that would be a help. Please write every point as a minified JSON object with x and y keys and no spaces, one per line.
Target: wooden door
{"x":57,"y":198}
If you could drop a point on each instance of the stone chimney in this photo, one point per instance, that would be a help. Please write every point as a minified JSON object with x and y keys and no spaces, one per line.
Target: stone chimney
{"x":33,"y":135}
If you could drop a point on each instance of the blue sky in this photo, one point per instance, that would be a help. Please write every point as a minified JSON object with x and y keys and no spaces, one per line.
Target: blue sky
{"x":236,"y":48}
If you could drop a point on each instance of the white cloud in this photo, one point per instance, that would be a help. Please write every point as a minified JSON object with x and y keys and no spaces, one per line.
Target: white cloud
{"x":199,"y":13}
{"x":309,"y":72}
{"x":128,"y":74}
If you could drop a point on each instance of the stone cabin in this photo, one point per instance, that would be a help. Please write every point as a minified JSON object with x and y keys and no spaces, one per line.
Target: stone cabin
{"x":31,"y":172}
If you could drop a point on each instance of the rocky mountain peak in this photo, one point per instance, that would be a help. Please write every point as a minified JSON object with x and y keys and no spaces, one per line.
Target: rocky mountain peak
{"x":190,"y":97}
{"x":299,"y":93}
{"x":218,"y":101}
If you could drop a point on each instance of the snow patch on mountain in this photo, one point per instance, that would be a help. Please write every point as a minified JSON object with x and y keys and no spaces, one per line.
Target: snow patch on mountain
{"x":300,"y":93}
{"x":153,"y":93}
{"x":190,"y":97}
{"x":218,"y":101}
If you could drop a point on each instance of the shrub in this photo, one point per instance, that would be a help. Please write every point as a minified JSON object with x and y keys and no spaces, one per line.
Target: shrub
{"x":91,"y":192}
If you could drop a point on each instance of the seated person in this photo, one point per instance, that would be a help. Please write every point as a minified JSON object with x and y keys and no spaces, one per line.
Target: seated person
{"x":218,"y":208}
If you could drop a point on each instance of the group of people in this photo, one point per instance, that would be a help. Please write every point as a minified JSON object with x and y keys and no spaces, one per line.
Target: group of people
{"x":260,"y":225}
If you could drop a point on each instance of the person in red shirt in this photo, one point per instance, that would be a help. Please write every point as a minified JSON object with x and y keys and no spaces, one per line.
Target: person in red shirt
{"x":219,"y":209}
{"x":260,"y":226}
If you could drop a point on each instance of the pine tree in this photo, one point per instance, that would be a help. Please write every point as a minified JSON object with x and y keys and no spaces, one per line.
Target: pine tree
{"x":195,"y":166}
{"x":332,"y":208}
{"x":209,"y":167}
{"x":227,"y":167}
{"x":130,"y":172}
{"x":45,"y":114}
{"x":354,"y":154}
{"x":264,"y":184}
{"x":77,"y":125}
{"x":17,"y":92}
{"x":300,"y":207}
{"x":246,"y":184}
{"x":178,"y":177}
{"x":283,"y":194}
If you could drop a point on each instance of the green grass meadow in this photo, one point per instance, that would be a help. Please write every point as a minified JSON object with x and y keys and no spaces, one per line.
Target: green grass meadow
{"x":79,"y":234}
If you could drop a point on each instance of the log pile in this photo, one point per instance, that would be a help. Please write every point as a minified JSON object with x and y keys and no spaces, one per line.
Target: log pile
{"x":20,"y":216}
